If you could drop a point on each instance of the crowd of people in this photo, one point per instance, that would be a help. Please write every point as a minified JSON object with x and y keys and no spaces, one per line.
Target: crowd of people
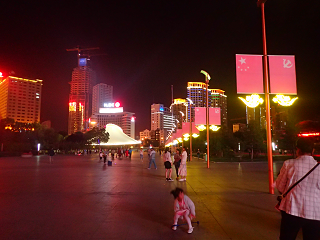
{"x":119,"y":153}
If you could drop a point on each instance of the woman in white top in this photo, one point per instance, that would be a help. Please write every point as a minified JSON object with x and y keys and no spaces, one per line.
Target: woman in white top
{"x":183,"y":165}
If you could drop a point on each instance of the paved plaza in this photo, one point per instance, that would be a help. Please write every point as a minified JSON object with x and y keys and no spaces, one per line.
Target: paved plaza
{"x":77,"y":197}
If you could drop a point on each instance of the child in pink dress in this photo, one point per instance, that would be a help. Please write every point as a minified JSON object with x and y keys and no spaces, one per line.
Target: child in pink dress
{"x":183,"y":208}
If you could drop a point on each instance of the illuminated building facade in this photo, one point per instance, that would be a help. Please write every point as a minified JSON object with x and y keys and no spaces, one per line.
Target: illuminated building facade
{"x":145,"y":134}
{"x":114,"y":114}
{"x":161,"y":118}
{"x":101,"y":94}
{"x":20,"y":99}
{"x":196,"y":91}
{"x":179,"y":109}
{"x":80,"y":97}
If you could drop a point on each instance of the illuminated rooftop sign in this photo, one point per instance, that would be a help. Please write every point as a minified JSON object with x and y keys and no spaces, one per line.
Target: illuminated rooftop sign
{"x":82,"y":62}
{"x":111,"y":105}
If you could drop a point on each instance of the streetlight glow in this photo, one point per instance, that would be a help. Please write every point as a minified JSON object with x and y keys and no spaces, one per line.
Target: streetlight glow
{"x":214,"y":128}
{"x":252,"y":101}
{"x":285,"y":101}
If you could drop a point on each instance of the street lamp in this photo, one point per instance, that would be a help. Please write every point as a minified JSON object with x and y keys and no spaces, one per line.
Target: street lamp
{"x":190,"y":121}
{"x":260,"y":4}
{"x":207,"y":112}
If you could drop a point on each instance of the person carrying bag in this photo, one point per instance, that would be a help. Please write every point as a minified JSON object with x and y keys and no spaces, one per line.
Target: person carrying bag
{"x":299,"y":204}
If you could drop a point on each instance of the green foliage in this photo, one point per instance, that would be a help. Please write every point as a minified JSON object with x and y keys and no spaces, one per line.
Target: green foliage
{"x":96,"y":136}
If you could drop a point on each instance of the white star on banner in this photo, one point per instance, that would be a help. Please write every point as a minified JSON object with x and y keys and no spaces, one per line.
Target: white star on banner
{"x":242,"y":60}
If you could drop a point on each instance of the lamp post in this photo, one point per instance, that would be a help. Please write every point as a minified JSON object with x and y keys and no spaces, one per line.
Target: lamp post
{"x":207,"y":113}
{"x":260,"y":4}
{"x":190,"y":132}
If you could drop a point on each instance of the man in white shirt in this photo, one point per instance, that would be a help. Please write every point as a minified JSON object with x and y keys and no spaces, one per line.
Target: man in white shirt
{"x":301,"y":206}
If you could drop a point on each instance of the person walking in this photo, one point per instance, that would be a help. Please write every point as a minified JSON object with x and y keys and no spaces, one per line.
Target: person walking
{"x":300,"y":207}
{"x":130,"y":152}
{"x":183,"y":165}
{"x":100,"y":156}
{"x":51,"y":154}
{"x":152,"y":158}
{"x":105,"y":154}
{"x":177,"y":161}
{"x":141,"y":155}
{"x":112,"y":154}
{"x":198,"y":153}
{"x":167,"y":164}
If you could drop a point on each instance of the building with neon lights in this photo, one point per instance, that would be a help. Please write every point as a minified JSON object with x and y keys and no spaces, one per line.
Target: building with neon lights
{"x":196,"y":91}
{"x":179,"y":109}
{"x":101,"y":94}
{"x":80,"y":97}
{"x":20,"y":99}
{"x":161,"y":117}
{"x":113,"y":113}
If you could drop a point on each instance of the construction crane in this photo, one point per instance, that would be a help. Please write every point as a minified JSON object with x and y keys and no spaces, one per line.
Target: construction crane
{"x":84,"y":52}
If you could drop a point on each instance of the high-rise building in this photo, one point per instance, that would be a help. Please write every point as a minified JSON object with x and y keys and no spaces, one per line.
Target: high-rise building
{"x":161,"y":118}
{"x":20,"y":99}
{"x":179,"y":109}
{"x":196,"y":91}
{"x":102,"y":93}
{"x":219,"y":99}
{"x":80,"y":97}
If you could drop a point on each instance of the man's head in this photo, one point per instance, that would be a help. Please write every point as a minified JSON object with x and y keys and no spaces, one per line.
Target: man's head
{"x":305,"y":146}
{"x":183,"y":149}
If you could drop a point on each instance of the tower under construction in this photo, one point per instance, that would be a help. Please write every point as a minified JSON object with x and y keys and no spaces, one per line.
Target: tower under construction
{"x":80,"y":97}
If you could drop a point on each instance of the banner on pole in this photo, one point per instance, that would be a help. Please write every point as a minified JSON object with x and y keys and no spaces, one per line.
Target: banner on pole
{"x":200,"y":116}
{"x":282,"y":71}
{"x":186,"y":128}
{"x":249,"y":74}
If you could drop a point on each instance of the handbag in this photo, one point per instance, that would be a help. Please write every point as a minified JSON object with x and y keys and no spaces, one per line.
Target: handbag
{"x":282,"y":196}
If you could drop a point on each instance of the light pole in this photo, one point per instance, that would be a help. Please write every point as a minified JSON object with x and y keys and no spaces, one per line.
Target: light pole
{"x":190,"y":132}
{"x":260,"y":4}
{"x":207,"y":113}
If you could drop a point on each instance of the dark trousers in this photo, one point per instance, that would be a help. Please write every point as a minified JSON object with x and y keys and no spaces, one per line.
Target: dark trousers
{"x":290,"y":226}
{"x":177,"y":165}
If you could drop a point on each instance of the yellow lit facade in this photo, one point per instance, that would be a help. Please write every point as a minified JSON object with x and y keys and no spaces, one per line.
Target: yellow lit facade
{"x":20,"y":99}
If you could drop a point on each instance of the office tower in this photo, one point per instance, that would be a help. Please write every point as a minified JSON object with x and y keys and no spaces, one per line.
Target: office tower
{"x":179,"y":109}
{"x":20,"y":99}
{"x":80,"y":97}
{"x":102,"y":93}
{"x":162,"y":119}
{"x":196,"y":91}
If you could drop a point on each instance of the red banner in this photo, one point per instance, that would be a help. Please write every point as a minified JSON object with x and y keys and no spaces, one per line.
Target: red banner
{"x":214,"y":116}
{"x":249,"y":74}
{"x":282,"y":75}
{"x":186,"y":128}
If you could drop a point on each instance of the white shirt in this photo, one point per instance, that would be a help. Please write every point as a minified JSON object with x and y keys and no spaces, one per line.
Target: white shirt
{"x":304,"y":199}
{"x":184,"y":157}
{"x":167,"y":157}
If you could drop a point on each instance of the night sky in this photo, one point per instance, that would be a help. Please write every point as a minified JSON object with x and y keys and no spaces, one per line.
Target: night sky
{"x":151,"y":45}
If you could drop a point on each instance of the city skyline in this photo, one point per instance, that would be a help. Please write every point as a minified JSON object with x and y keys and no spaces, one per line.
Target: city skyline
{"x":164,"y":43}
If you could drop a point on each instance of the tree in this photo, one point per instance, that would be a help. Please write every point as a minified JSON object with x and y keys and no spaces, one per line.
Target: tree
{"x":254,"y":138}
{"x":96,"y":136}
